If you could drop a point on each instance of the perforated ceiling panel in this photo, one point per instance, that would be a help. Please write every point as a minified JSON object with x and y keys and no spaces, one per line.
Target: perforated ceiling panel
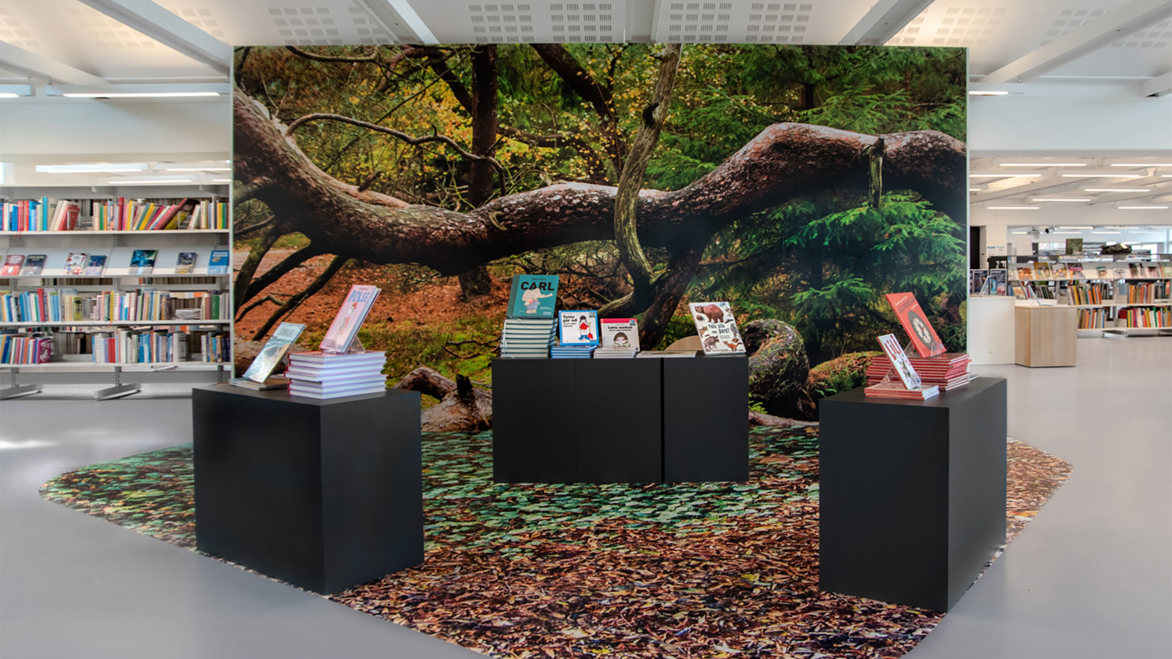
{"x":756,"y":21}
{"x":283,"y":22}
{"x":953,"y":26}
{"x":542,"y":21}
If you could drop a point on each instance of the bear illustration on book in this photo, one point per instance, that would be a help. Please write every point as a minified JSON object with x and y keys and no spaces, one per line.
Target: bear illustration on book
{"x":716,"y":327}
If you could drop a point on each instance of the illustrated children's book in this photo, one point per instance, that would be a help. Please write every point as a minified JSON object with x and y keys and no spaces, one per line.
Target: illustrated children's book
{"x":33,"y":264}
{"x":899,"y":361}
{"x":916,"y":324}
{"x":578,"y":328}
{"x":532,"y":296}
{"x":94,"y":265}
{"x":717,"y":327}
{"x":142,"y":261}
{"x":12,"y":264}
{"x":619,"y":333}
{"x":218,"y":262}
{"x":344,"y":329}
{"x":185,"y":264}
{"x":75,"y":263}
{"x":271,"y":354}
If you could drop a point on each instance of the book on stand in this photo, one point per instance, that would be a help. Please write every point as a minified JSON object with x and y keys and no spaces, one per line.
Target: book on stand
{"x":530,"y":322}
{"x":142,"y":261}
{"x":909,"y":384}
{"x":259,"y":372}
{"x":218,"y":262}
{"x":342,"y":332}
{"x":915,"y":323}
{"x":12,"y":265}
{"x":94,"y":265}
{"x":185,"y":263}
{"x":75,"y":263}
{"x":717,"y":328}
{"x":618,"y":338}
{"x":33,"y":265}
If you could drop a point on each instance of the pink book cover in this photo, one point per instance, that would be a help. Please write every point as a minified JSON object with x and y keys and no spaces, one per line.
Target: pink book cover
{"x":344,"y":329}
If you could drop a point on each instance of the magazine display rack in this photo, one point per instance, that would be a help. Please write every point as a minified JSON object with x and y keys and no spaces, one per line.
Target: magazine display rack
{"x":205,"y":336}
{"x":321,"y":494}
{"x":665,"y":420}
{"x":912,"y":493}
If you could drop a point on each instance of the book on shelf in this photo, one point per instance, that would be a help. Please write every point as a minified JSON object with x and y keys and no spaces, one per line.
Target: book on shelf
{"x":271,"y":354}
{"x":1042,"y":270}
{"x":998,"y":281}
{"x":94,"y":265}
{"x":578,"y":328}
{"x":1166,"y":269}
{"x":344,"y":329}
{"x":977,"y":279}
{"x":12,"y":265}
{"x":1024,"y":272}
{"x":1075,"y":271}
{"x":185,"y":263}
{"x":33,"y":265}
{"x":218,"y":262}
{"x":532,"y":296}
{"x":911,"y":317}
{"x":1059,"y":271}
{"x":142,"y":261}
{"x":75,"y":263}
{"x":717,"y":328}
{"x":26,"y":348}
{"x":618,"y":337}
{"x":1074,"y":246}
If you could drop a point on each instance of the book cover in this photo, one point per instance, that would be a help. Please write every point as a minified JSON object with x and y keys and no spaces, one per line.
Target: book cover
{"x":142,"y":261}
{"x":915,"y":323}
{"x":532,"y":296}
{"x":33,"y":264}
{"x":899,"y":361}
{"x":998,"y":282}
{"x":12,"y":265}
{"x":1059,"y":271}
{"x":717,"y":327}
{"x":619,"y":333}
{"x":1042,"y":270}
{"x":1166,"y":268}
{"x":1025,"y":272}
{"x":273,"y":351}
{"x":185,"y":264}
{"x":75,"y":263}
{"x":349,"y":318}
{"x":94,"y":265}
{"x":977,"y":281}
{"x":218,"y":262}
{"x":1074,"y":245}
{"x":1075,"y":270}
{"x":578,"y":328}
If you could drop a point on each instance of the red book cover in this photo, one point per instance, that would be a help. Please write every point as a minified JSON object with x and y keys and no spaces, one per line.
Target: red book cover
{"x":916,"y":324}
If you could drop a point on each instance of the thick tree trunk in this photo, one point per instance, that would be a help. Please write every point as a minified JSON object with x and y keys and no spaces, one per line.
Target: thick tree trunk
{"x":783,"y":162}
{"x":462,"y":407}
{"x":475,"y":281}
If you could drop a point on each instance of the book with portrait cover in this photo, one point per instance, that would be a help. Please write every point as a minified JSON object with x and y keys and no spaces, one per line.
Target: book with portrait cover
{"x":578,"y":328}
{"x":94,"y":265}
{"x":619,"y":333}
{"x":270,"y":355}
{"x":717,"y":328}
{"x":142,"y":261}
{"x":12,"y":264}
{"x":344,"y":329}
{"x":532,"y":296}
{"x":185,"y":263}
{"x":915,"y":323}
{"x":33,"y":264}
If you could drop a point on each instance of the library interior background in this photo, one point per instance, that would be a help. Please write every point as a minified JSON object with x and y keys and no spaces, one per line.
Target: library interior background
{"x":181,"y":179}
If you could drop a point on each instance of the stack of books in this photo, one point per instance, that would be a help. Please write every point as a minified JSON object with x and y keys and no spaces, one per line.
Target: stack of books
{"x":907,"y":384}
{"x":619,"y":338}
{"x":328,"y":375}
{"x":948,"y":371}
{"x":559,"y":351}
{"x":529,"y":322}
{"x":896,"y":389}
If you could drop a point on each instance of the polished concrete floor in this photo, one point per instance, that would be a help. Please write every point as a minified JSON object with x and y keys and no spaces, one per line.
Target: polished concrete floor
{"x":1090,"y":577}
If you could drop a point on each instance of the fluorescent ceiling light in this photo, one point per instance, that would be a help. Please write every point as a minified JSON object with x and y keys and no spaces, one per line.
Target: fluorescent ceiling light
{"x":175,"y":90}
{"x":92,"y":167}
{"x":1042,"y":164}
{"x":1005,"y":175}
{"x":221,"y":180}
{"x":138,"y":94}
{"x":152,"y":179}
{"x":988,"y":92}
{"x":1013,"y":208}
{"x":1076,"y":228}
{"x":1020,"y":233}
{"x":998,"y":89}
{"x":976,"y":189}
{"x":164,"y":168}
{"x":1112,"y":233}
{"x":15,"y":91}
{"x":1070,"y":199}
{"x":1099,"y":175}
{"x":1142,"y":208}
{"x":1117,"y":189}
{"x":1141,"y":164}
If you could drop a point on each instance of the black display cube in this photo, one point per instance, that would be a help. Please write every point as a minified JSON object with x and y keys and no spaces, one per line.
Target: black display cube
{"x":640,"y":420}
{"x":321,"y":494}
{"x":912,"y":493}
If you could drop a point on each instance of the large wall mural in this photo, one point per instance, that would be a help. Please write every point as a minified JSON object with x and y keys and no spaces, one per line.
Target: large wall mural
{"x":799,"y":183}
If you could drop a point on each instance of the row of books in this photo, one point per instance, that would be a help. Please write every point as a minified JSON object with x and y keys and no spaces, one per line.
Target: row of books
{"x":1095,"y":292}
{"x":1146,"y":317}
{"x":33,"y":215}
{"x":145,"y":304}
{"x":122,"y":346}
{"x":25,"y":349}
{"x":1059,"y":270}
{"x":140,"y":262}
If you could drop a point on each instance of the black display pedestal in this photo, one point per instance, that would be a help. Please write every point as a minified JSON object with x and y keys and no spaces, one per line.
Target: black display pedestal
{"x":321,"y":494}
{"x":638,"y":420}
{"x":912,"y":493}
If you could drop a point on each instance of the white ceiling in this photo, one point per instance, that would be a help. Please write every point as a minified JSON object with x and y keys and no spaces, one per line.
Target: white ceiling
{"x":98,"y":43}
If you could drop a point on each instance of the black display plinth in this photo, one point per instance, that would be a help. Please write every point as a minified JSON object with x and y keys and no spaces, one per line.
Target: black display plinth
{"x":912,"y":493}
{"x":321,"y":494}
{"x":620,"y":420}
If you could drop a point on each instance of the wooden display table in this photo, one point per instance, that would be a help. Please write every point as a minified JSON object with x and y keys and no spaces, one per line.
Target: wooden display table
{"x":636,"y":420}
{"x":322,"y":494}
{"x":912,"y":493}
{"x":1045,"y":335}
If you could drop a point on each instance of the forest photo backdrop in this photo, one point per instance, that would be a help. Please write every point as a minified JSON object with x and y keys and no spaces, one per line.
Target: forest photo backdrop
{"x":801,"y":183}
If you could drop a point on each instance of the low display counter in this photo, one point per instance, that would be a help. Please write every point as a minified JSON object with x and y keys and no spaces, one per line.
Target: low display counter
{"x":912,"y":493}
{"x":323,"y":494}
{"x":638,"y":420}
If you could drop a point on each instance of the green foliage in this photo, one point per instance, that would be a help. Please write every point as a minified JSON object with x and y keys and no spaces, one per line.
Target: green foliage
{"x":677,"y":328}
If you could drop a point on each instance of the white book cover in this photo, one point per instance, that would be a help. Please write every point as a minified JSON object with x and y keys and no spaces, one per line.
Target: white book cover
{"x":717,"y":327}
{"x":622,"y":333}
{"x":899,"y":361}
{"x":578,"y":328}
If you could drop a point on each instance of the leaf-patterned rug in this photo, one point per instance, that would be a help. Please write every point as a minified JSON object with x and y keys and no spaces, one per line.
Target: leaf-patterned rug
{"x":679,"y":570}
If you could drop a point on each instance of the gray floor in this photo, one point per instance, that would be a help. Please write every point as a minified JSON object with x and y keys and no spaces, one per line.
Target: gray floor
{"x":1090,"y":577}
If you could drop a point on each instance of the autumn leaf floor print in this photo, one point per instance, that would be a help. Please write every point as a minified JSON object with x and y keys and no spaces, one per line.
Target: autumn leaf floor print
{"x":663,"y":570}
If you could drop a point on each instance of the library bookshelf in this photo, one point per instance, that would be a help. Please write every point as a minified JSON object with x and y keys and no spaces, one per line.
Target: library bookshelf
{"x":1113,"y":295}
{"x":106,"y":300}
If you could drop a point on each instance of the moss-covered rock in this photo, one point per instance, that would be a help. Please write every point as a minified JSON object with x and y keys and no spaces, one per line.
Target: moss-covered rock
{"x":834,"y":376}
{"x":778,"y":368}
{"x":757,"y":332}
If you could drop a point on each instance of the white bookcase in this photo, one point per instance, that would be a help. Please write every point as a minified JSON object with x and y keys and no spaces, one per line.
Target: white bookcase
{"x":156,"y":326}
